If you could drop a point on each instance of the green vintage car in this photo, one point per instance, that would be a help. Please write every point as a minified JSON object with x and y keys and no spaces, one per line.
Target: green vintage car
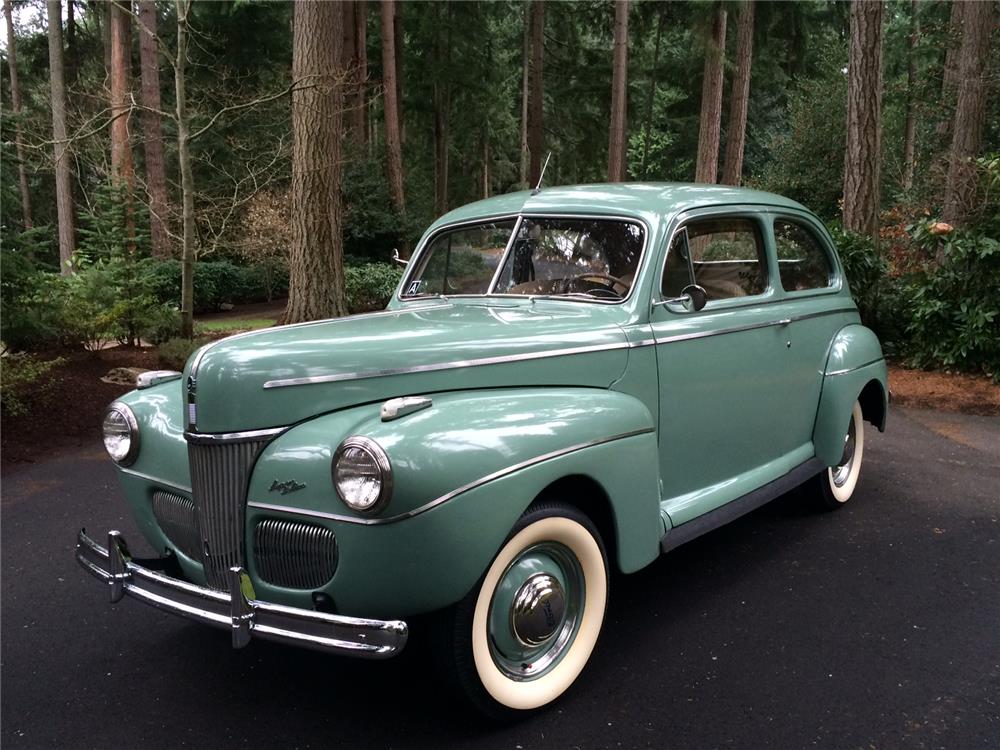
{"x":567,"y":382}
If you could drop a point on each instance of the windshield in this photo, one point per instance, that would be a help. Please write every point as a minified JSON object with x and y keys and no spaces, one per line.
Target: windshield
{"x":583,"y":258}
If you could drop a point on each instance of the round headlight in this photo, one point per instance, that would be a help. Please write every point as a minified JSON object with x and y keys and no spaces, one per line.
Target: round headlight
{"x":362,"y":474}
{"x":121,"y":434}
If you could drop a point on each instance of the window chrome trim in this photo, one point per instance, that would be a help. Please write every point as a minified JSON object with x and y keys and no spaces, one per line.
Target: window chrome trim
{"x":640,"y":221}
{"x":450,"y":495}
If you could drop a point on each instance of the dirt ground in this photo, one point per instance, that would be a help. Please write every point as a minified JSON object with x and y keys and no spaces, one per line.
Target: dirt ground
{"x":967,"y":394}
{"x":66,"y":410}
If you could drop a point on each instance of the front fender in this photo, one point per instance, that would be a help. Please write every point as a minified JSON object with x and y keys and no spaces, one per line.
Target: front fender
{"x":464,"y":471}
{"x":855,"y":369}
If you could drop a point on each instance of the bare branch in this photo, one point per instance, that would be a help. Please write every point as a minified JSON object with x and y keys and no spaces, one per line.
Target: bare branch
{"x":293,"y":86}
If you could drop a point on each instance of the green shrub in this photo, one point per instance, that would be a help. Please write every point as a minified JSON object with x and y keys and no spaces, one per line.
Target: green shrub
{"x":175,"y":353}
{"x":24,"y":377}
{"x":30,"y":303}
{"x":218,"y":282}
{"x":953,"y":309}
{"x":370,"y":285}
{"x":875,"y":292}
{"x":112,"y":300}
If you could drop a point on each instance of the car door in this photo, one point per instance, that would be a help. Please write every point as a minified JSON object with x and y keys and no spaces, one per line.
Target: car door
{"x":722,"y":412}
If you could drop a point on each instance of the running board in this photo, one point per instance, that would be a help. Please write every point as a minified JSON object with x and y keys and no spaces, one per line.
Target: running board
{"x":732,"y":510}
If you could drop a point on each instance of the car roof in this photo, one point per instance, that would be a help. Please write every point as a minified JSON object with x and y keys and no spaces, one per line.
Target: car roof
{"x":641,"y":199}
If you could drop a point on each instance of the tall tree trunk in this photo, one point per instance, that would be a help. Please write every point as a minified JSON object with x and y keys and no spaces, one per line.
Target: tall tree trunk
{"x":156,"y":177}
{"x":732,"y":172}
{"x":393,"y":145}
{"x":949,"y":82}
{"x":651,"y":98}
{"x":522,"y":173}
{"x":64,"y":187}
{"x":910,"y":133}
{"x":485,"y":167}
{"x":707,"y":166}
{"x":442,"y":107}
{"x":397,"y":42}
{"x":970,"y":111}
{"x":349,"y":58}
{"x":187,"y":174}
{"x":316,"y":283}
{"x":862,"y":164}
{"x":535,"y":105}
{"x":617,"y":145}
{"x":359,"y":103}
{"x":122,"y":168}
{"x":15,"y":100}
{"x":72,"y":54}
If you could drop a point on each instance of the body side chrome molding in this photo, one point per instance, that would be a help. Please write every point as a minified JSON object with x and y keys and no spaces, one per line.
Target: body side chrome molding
{"x":752,"y":326}
{"x":852,"y":369}
{"x":450,"y":495}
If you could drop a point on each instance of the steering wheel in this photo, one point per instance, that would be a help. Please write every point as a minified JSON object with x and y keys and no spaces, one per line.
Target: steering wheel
{"x":608,"y":284}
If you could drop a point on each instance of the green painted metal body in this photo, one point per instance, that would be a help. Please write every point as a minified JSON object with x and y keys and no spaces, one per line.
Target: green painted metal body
{"x":661,"y":412}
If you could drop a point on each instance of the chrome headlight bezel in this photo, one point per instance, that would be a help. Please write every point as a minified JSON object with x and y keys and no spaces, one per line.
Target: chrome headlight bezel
{"x":133,"y":433}
{"x":381,"y":460}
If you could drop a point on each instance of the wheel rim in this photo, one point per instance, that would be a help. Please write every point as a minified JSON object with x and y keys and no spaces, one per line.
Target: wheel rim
{"x":535,"y":611}
{"x":842,"y":472}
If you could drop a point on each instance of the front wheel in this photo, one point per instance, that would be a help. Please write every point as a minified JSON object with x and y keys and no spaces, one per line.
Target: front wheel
{"x":521,"y":638}
{"x":837,"y":483}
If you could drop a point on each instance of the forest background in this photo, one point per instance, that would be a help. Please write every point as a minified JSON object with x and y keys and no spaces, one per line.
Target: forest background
{"x":161,"y":159}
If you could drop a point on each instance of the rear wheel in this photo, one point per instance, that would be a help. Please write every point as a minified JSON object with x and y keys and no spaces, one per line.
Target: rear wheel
{"x":837,"y":483}
{"x":524,"y":634}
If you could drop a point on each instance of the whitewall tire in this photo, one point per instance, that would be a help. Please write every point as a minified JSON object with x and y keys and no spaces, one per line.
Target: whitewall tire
{"x":838,"y":483}
{"x":521,"y":638}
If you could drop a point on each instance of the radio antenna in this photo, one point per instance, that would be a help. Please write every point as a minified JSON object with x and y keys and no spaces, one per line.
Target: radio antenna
{"x":538,"y":187}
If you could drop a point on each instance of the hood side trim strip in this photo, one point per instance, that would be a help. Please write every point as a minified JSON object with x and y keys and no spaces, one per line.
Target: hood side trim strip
{"x":503,"y":359}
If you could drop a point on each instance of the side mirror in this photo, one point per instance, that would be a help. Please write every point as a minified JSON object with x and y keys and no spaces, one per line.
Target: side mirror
{"x":696,"y":294}
{"x":397,"y":259}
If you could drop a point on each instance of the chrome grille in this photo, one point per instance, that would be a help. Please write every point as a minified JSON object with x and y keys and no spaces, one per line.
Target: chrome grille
{"x":296,"y":555}
{"x":220,"y":472}
{"x":176,"y":517}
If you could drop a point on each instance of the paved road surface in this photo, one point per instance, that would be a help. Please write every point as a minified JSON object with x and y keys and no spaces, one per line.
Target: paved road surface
{"x":876,"y":626}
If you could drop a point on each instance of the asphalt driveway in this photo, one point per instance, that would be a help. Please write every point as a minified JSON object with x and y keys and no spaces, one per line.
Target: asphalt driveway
{"x":875,"y":626}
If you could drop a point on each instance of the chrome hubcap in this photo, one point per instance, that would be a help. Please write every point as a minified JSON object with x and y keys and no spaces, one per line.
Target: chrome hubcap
{"x":842,"y":471}
{"x":536,"y":611}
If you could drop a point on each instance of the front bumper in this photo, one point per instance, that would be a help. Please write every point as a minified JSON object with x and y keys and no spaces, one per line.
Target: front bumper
{"x":241,"y":612}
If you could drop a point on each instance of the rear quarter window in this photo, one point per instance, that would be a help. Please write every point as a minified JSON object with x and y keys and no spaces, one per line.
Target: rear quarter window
{"x":803,"y":262}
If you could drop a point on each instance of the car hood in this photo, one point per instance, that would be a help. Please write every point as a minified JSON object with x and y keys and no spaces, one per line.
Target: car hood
{"x":283,"y":375}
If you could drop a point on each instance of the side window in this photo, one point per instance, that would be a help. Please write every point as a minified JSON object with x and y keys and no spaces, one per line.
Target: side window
{"x":727,"y":257}
{"x":802,"y":261}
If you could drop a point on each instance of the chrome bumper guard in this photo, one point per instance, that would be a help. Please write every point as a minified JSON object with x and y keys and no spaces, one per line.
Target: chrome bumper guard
{"x":241,"y":612}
